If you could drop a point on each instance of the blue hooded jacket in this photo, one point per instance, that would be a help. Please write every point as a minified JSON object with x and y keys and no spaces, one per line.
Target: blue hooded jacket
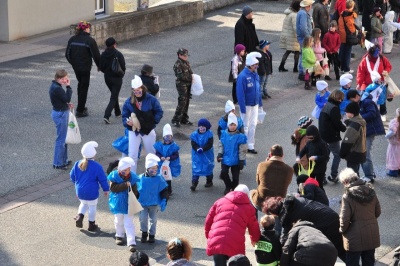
{"x":202,"y":163}
{"x":231,"y":143}
{"x":118,"y":201}
{"x":149,"y":188}
{"x":87,"y":182}
{"x":166,"y":150}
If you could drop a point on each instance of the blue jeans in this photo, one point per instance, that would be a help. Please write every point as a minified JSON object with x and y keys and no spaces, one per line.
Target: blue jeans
{"x":334,"y":147}
{"x":368,"y":167}
{"x":367,"y":258}
{"x":344,"y":57}
{"x":60,"y":148}
{"x":263,"y":84}
{"x":149,"y":212}
{"x":301,"y":69}
{"x":220,"y":259}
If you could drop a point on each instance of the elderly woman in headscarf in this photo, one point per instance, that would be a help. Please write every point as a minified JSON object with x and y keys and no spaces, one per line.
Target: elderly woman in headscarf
{"x":358,"y":219}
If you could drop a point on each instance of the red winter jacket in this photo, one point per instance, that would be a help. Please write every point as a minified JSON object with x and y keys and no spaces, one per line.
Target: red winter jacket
{"x":363,"y":76}
{"x":340,"y":6}
{"x":331,"y":42}
{"x":226,"y":223}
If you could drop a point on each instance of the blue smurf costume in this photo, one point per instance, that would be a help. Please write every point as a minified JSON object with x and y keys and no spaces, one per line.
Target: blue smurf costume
{"x":121,"y":180}
{"x":153,"y":191}
{"x":223,"y":121}
{"x":202,"y":141}
{"x":168,"y":150}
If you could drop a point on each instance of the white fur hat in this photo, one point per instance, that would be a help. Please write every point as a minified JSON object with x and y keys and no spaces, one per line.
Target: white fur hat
{"x":89,"y":149}
{"x":151,"y":160}
{"x":345,"y":79}
{"x":242,"y":188}
{"x":229,"y":106}
{"x":321,"y":85}
{"x":167,"y":130}
{"x":125,"y":163}
{"x":375,"y":76}
{"x":136,"y":82}
{"x":251,"y":58}
{"x":232,"y":119}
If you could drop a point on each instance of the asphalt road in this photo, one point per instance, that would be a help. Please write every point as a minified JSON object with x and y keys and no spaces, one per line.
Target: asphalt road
{"x":43,"y":232}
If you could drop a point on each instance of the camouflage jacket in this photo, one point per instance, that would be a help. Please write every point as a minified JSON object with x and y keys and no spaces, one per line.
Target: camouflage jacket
{"x":183,"y":71}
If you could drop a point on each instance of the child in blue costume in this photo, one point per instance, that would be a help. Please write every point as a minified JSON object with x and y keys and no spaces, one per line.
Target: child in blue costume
{"x":321,"y":98}
{"x":87,"y":174}
{"x":168,"y":150}
{"x":121,"y":180}
{"x":202,"y":141}
{"x":223,"y":121}
{"x":377,"y":89}
{"x":232,"y":153}
{"x":153,"y":191}
{"x":345,"y":86}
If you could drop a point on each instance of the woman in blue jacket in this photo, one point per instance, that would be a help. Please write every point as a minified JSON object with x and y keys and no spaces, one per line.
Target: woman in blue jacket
{"x":149,"y":113}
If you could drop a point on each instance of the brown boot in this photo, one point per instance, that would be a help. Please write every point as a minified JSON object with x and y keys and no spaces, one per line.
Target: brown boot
{"x":92,"y":226}
{"x":79,"y":220}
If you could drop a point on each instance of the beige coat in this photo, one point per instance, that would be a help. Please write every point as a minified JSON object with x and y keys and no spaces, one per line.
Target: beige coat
{"x":273,"y":178}
{"x":288,"y":40}
{"x":358,"y":217}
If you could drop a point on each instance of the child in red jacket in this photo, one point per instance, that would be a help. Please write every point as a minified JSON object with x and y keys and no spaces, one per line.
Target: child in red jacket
{"x":331,"y":43}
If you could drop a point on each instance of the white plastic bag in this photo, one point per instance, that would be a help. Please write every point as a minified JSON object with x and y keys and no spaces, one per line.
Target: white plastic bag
{"x":133,"y":204}
{"x":73,"y":133}
{"x":197,"y":85}
{"x":261,"y":116}
{"x":166,"y":170}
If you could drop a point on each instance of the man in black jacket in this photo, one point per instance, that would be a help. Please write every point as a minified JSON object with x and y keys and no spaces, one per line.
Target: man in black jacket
{"x":245,"y":30}
{"x":81,"y":49}
{"x":113,"y":80}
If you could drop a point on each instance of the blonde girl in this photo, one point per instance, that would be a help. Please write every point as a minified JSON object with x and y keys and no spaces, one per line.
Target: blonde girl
{"x":179,"y":251}
{"x":317,"y":48}
{"x":308,"y":61}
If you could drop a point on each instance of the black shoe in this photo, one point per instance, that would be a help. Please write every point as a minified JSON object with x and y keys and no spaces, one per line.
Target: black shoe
{"x":395,"y":41}
{"x":227,"y":190}
{"x":92,"y":226}
{"x":144,"y":237}
{"x":69,"y":162}
{"x":209,"y":184}
{"x":79,"y":220}
{"x":282,"y":69}
{"x":106,"y":120}
{"x":295,"y":70}
{"x":132,"y":248}
{"x":175,"y":124}
{"x":264,"y":96}
{"x":324,"y":182}
{"x":301,"y":77}
{"x":61,"y":167}
{"x":253,"y":151}
{"x":337,"y":77}
{"x":333,"y":179}
{"x":187,"y":122}
{"x":119,"y":241}
{"x":328,"y":78}
{"x":152,"y":239}
{"x":82,"y":114}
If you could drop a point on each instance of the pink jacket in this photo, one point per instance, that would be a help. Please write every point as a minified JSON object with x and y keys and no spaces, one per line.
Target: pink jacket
{"x":318,"y":51}
{"x":226,"y":224}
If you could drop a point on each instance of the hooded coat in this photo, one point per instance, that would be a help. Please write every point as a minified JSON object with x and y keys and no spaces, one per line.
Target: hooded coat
{"x":388,"y":28}
{"x":106,"y":60}
{"x":308,"y":246}
{"x":353,"y":147}
{"x":370,"y":112}
{"x":330,"y":122}
{"x":226,"y":223}
{"x":245,"y":33}
{"x":312,"y":191}
{"x":288,"y":38}
{"x":316,"y":147}
{"x":358,"y":217}
{"x":202,"y":163}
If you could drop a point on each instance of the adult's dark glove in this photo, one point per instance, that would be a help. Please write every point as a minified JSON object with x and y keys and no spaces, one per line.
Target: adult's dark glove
{"x":241,"y":164}
{"x":219,"y":157}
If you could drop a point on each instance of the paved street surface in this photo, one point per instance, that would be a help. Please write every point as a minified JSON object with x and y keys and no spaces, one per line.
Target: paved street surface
{"x":37,"y":203}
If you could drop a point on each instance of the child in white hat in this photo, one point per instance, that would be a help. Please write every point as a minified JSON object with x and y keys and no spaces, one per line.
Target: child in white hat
{"x":168,"y":151}
{"x":223,"y":121}
{"x":345,"y":85}
{"x":87,"y":175}
{"x":232,"y":153}
{"x":321,"y":98}
{"x":121,"y":181}
{"x":153,"y":191}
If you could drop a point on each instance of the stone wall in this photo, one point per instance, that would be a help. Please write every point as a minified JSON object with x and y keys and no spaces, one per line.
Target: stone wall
{"x":149,"y":21}
{"x":210,"y":5}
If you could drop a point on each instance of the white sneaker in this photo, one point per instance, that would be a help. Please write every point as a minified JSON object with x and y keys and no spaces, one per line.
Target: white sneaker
{"x":383,"y":117}
{"x":366,"y":179}
{"x":351,"y":71}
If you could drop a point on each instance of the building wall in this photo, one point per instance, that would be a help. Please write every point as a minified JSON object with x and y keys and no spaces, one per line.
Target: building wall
{"x":24,"y":18}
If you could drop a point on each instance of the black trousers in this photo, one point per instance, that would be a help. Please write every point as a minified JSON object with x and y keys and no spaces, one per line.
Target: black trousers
{"x":354,"y":166}
{"x":114,"y":85}
{"x":230,"y":183}
{"x":181,"y":112}
{"x":333,"y":60}
{"x":83,"y":78}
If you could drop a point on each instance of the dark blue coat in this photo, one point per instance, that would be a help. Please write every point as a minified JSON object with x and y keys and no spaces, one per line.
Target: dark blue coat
{"x":370,"y":112}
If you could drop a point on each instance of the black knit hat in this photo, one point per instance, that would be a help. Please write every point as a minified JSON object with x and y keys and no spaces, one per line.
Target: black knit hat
{"x":238,"y":260}
{"x":353,"y":108}
{"x":139,"y":258}
{"x":312,"y":131}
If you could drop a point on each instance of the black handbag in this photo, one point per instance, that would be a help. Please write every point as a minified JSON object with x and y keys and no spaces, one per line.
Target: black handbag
{"x":352,"y":38}
{"x":116,"y":67}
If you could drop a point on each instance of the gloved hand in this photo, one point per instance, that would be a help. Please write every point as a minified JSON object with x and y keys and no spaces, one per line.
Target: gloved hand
{"x":200,"y":150}
{"x":219,"y":157}
{"x":163,"y":205}
{"x":241,"y":164}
